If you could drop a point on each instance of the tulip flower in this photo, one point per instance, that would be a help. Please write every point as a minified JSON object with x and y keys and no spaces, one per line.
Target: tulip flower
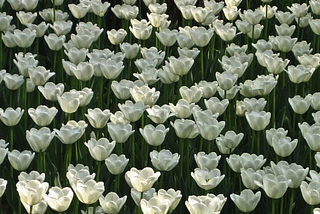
{"x":10,"y":116}
{"x":132,"y":111}
{"x":39,"y":75}
{"x":210,"y":130}
{"x":69,"y":101}
{"x":39,"y":140}
{"x":247,"y":200}
{"x":31,"y":192}
{"x":205,"y":204}
{"x":148,"y":96}
{"x":51,"y":91}
{"x":311,"y":192}
{"x":116,"y":36}
{"x":296,"y":173}
{"x":120,"y":132}
{"x":99,"y":8}
{"x":25,"y":38}
{"x":71,"y":132}
{"x":258,"y":120}
{"x":182,"y":109}
{"x":285,"y":30}
{"x":301,"y":48}
{"x":88,"y":192}
{"x":111,"y":203}
{"x":125,"y":11}
{"x":314,"y":4}
{"x":59,"y":199}
{"x":310,"y":134}
{"x":154,"y":205}
{"x":192,"y":94}
{"x":54,"y":41}
{"x":207,"y":179}
{"x":299,"y":104}
{"x":164,"y":160}
{"x":61,"y":27}
{"x":208,"y":88}
{"x":98,"y":118}
{"x":78,"y":11}
{"x":230,"y":140}
{"x":140,"y":29}
{"x":226,"y":79}
{"x":274,"y":186}
{"x":170,"y":195}
{"x":100,"y":149}
{"x":26,"y":18}
{"x":154,"y":135}
{"x":136,"y":195}
{"x":249,"y":176}
{"x":185,"y":128}
{"x":5,"y":21}
{"x":116,"y":164}
{"x":142,"y":180}
{"x":180,"y":66}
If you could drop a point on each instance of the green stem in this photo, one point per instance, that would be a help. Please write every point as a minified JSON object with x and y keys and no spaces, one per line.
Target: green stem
{"x":181,"y":156}
{"x":202,"y":62}
{"x":98,"y":170}
{"x":31,"y":209}
{"x":291,"y":205}
{"x":87,"y":205}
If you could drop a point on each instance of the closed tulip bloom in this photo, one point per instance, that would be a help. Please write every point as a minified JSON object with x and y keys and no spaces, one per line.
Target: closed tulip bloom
{"x":172,"y":196}
{"x":252,"y":104}
{"x":299,"y":104}
{"x":3,"y":186}
{"x":69,"y":101}
{"x":208,"y":88}
{"x":122,"y":89}
{"x":116,"y":36}
{"x":26,"y":18}
{"x":257,"y":31}
{"x":10,"y":116}
{"x":112,"y":203}
{"x":316,"y":117}
{"x":209,"y":161}
{"x":54,"y":41}
{"x":253,"y":17}
{"x":231,"y":13}
{"x":311,"y":192}
{"x":299,"y":10}
{"x":185,"y":128}
{"x":61,"y":27}
{"x":78,"y":11}
{"x":83,"y":71}
{"x":82,"y":40}
{"x":142,"y":180}
{"x":296,"y":173}
{"x":100,"y":149}
{"x":301,"y":48}
{"x":192,"y":94}
{"x":154,"y":205}
{"x":182,"y":109}
{"x":211,"y":130}
{"x":39,"y":140}
{"x":86,"y":95}
{"x":111,"y":69}
{"x":51,"y":91}
{"x":5,"y":21}
{"x":274,"y":186}
{"x":98,"y":118}
{"x":8,"y":40}
{"x":205,"y":204}
{"x":31,"y":192}
{"x":243,"y":26}
{"x":99,"y":8}
{"x":311,"y":135}
{"x":154,"y":136}
{"x":148,"y":96}
{"x":76,"y":55}
{"x":132,"y":111}
{"x":283,"y":146}
{"x":167,"y":37}
{"x":130,"y":50}
{"x":315,"y":25}
{"x":13,"y":81}
{"x":33,"y":175}
{"x":258,"y":120}
{"x":284,"y":17}
{"x":125,"y":11}
{"x":59,"y":199}
{"x":285,"y":30}
{"x":249,"y":176}
{"x":164,"y":160}
{"x":39,"y":75}
{"x":120,"y":132}
{"x":88,"y":192}
{"x":71,"y":132}
{"x":159,"y":114}
{"x":247,"y":200}
{"x":79,"y":172}
{"x":226,"y":79}
{"x":216,"y":106}
{"x":282,"y":43}
{"x":180,"y":66}
{"x":226,"y":32}
{"x":207,"y":179}
{"x":184,"y":40}
{"x":20,"y":160}
{"x":116,"y":164}
{"x":230,"y":140}
{"x":25,"y":38}
{"x":166,"y":75}
{"x":118,"y":117}
{"x":201,"y":36}
{"x":140,"y":29}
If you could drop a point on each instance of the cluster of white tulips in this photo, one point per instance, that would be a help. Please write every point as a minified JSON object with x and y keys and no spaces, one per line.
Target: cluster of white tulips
{"x":158,"y":107}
